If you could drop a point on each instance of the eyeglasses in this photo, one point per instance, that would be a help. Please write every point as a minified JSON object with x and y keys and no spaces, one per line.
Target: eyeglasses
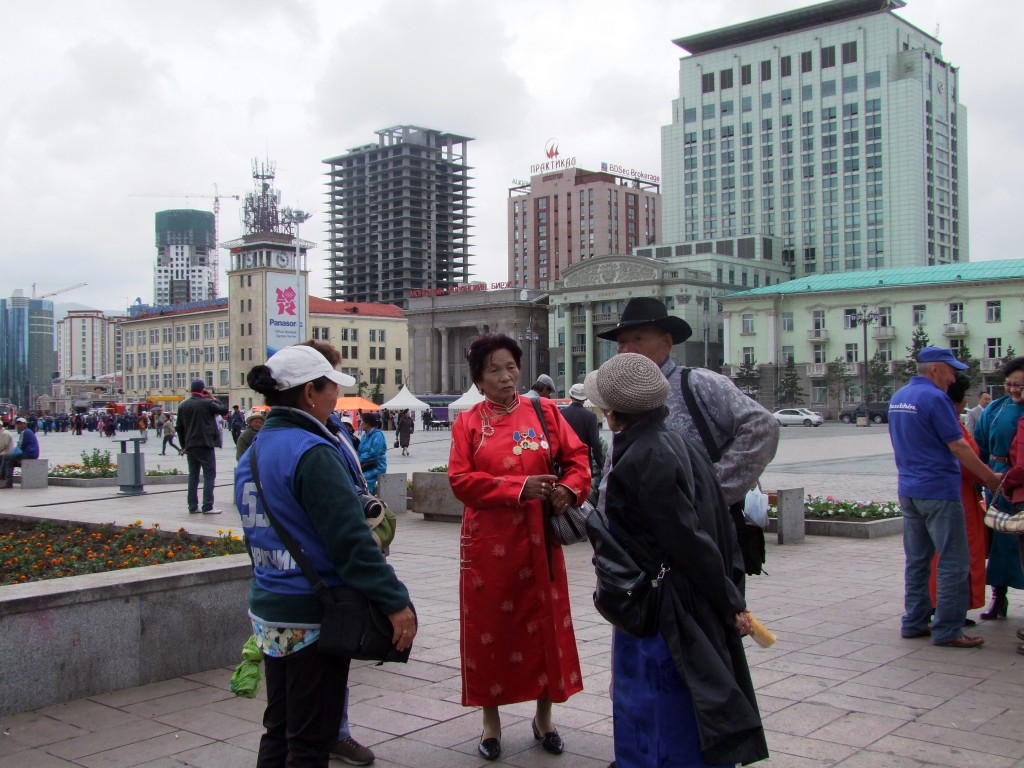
{"x":1013,"y":387}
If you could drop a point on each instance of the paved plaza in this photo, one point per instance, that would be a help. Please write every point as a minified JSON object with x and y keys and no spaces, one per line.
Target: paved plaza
{"x":840,"y":688}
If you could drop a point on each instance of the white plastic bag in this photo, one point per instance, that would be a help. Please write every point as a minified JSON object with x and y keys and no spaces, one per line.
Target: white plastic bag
{"x":755,"y":507}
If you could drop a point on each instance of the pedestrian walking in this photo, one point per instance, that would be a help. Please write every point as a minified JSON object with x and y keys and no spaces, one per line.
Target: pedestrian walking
{"x":199,"y":433}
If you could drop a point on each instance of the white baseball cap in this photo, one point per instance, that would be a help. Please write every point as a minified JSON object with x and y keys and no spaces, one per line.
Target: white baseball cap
{"x":294,"y":366}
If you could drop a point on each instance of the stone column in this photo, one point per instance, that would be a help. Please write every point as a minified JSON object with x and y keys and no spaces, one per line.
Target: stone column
{"x":445,"y":367}
{"x":588,"y":353}
{"x":570,"y":377}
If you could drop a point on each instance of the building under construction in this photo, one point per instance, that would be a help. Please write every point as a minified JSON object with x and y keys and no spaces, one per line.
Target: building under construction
{"x":186,"y":259}
{"x":399,"y":215}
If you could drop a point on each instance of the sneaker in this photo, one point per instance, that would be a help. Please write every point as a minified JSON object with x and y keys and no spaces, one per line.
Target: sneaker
{"x":212,"y":511}
{"x":352,"y":752}
{"x":193,"y":511}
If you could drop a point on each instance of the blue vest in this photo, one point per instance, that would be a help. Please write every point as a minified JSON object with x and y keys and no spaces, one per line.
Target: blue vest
{"x":280,"y":451}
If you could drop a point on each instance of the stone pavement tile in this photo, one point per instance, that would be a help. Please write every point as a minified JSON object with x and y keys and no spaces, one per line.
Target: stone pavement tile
{"x":602,"y":728}
{"x":871,"y":759}
{"x":784,"y":760}
{"x":417,"y":754}
{"x":815,"y":666}
{"x":395,"y":723}
{"x":34,"y":758}
{"x":897,"y":712}
{"x":217,"y":755}
{"x":949,"y":666}
{"x":32,"y":729}
{"x":810,"y":747}
{"x":449,"y":732}
{"x":798,"y":687}
{"x":768,"y":704}
{"x":209,"y":723}
{"x":251,"y":741}
{"x":240,"y":707}
{"x":880,"y":652}
{"x":131,"y":755}
{"x":938,"y":684}
{"x":964,"y":715}
{"x":976,"y":696}
{"x":886,"y":677}
{"x":802,"y":718}
{"x":762,"y":676}
{"x":835,"y":647}
{"x":563,"y":715}
{"x":535,"y":757}
{"x":128,"y":696}
{"x":88,"y":714}
{"x":411,"y":704}
{"x":970,"y":740}
{"x":178,"y":701}
{"x":1007,"y":725}
{"x":940,"y":754}
{"x":376,"y":678}
{"x":918,"y":701}
{"x":218,"y":678}
{"x":856,"y":729}
{"x":590,"y":744}
{"x":9,"y":746}
{"x":108,"y":738}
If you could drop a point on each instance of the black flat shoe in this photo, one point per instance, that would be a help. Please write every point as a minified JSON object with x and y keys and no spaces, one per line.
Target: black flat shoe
{"x":490,"y":748}
{"x":550,"y":742}
{"x":1020,"y":634}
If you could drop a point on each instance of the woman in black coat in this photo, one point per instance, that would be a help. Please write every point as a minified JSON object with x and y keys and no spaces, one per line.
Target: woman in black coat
{"x":682,"y":697}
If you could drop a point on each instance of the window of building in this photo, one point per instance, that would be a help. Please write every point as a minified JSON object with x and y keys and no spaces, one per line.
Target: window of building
{"x":819,"y":354}
{"x":748,"y":355}
{"x":707,"y":82}
{"x":805,"y":61}
{"x":208,"y":330}
{"x":993,"y":311}
{"x":689,"y":116}
{"x":873,"y":79}
{"x":828,"y":57}
{"x":818,"y":319}
{"x":766,"y":70}
{"x":745,"y":74}
{"x":956,"y":312}
{"x":851,"y":355}
{"x":828,"y":88}
{"x":918,"y":314}
{"x":785,"y":66}
{"x":849,"y":318}
{"x":787,"y":321}
{"x":193,"y":332}
{"x":179,"y":332}
{"x":884,"y":316}
{"x":849,"y":52}
{"x":787,"y":355}
{"x":747,"y":320}
{"x":398,"y":377}
{"x":766,"y":100}
{"x":994,"y":348}
{"x":725,"y":79}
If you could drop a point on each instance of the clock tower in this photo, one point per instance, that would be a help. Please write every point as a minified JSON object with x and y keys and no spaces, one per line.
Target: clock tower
{"x":268,"y":293}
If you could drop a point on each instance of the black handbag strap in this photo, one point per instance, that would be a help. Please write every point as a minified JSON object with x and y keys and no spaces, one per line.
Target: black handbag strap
{"x":714,"y":452}
{"x":543,"y":428}
{"x":314,"y":578}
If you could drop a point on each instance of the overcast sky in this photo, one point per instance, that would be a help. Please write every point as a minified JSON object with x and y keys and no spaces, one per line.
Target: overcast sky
{"x":100,"y":100}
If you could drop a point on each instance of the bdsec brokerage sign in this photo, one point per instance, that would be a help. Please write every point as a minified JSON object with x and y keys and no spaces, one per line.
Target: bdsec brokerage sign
{"x":459,"y":288}
{"x":631,"y":173}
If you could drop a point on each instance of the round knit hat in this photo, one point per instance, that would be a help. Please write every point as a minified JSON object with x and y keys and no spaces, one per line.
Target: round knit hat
{"x":627,"y":383}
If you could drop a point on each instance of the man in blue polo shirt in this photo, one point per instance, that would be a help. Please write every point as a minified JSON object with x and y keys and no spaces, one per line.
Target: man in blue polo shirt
{"x":929,"y":448}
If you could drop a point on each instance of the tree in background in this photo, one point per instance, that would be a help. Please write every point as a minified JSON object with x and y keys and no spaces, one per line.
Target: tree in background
{"x":790,"y":392}
{"x":963,"y":354}
{"x":998,"y":377}
{"x":918,"y":342}
{"x":748,"y":378}
{"x":879,"y":378}
{"x":376,"y":394}
{"x":836,"y":373}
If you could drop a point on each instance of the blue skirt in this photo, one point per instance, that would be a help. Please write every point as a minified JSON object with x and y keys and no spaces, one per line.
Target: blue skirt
{"x":1004,"y":566}
{"x":654,"y":721}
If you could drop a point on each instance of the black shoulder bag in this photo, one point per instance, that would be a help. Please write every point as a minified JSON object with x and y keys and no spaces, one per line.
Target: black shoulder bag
{"x":749,"y":537}
{"x":570,"y":526}
{"x":351,"y":626}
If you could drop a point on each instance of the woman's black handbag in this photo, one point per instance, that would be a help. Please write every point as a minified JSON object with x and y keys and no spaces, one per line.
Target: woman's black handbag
{"x":351,"y":626}
{"x":626,"y":595}
{"x":570,"y":526}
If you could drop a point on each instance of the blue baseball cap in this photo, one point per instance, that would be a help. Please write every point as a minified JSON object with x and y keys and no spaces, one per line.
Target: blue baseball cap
{"x":940,"y":355}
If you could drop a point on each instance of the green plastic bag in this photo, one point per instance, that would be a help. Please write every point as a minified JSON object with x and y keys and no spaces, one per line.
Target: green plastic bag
{"x":246,"y":679}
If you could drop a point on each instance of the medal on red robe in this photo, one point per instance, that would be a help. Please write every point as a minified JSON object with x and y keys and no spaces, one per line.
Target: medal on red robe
{"x":526,"y":441}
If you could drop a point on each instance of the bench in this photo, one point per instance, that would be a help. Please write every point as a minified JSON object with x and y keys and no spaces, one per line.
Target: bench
{"x":34,"y":473}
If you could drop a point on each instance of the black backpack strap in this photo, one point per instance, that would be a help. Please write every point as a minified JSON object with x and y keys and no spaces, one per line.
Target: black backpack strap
{"x":714,"y":453}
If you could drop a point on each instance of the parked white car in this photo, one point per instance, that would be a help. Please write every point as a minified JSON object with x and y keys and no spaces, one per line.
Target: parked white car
{"x":797,"y":416}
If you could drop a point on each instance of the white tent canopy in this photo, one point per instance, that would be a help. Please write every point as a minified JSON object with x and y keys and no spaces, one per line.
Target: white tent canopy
{"x":467,"y":401}
{"x":405,"y":399}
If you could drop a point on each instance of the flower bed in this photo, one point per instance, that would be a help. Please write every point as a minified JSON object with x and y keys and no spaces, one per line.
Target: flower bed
{"x":830,"y":508}
{"x":37,"y":550}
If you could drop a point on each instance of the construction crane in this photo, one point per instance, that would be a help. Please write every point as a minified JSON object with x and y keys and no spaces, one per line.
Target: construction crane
{"x":216,"y":197}
{"x":54,"y":293}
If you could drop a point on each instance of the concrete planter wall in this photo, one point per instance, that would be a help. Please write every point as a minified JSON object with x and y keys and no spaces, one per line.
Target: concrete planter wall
{"x":851,"y":529}
{"x":112,"y":482}
{"x":432,"y":497}
{"x":101,"y":632}
{"x":393,"y":490}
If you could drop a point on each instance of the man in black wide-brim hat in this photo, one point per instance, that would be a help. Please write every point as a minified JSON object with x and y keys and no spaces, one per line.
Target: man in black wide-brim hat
{"x":743,"y":435}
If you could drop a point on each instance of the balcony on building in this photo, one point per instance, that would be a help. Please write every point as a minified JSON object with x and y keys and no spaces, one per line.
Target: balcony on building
{"x":896,"y":367}
{"x":883,"y":332}
{"x":816,"y":370}
{"x":990,"y":364}
{"x":817,"y":334}
{"x":954,"y":330}
{"x":606,"y":317}
{"x":579,"y":319}
{"x":579,"y":349}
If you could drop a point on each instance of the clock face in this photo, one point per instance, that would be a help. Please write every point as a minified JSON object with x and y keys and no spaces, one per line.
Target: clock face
{"x":283,"y":259}
{"x":250,"y":259}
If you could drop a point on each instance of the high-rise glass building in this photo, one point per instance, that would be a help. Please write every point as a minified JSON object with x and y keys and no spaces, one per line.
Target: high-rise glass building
{"x":398,"y":215}
{"x":186,"y":266}
{"x":836,"y":128}
{"x":27,"y":359}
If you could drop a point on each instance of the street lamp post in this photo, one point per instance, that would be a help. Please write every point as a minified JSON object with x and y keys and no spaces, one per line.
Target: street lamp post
{"x":296,"y":217}
{"x":864,"y":319}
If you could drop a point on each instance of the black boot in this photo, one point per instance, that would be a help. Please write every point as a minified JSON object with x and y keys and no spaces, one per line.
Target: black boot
{"x":997,"y":610}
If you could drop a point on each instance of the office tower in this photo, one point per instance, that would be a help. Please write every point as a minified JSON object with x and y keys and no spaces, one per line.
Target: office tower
{"x":186,"y":264}
{"x":27,"y":361}
{"x":398,"y":215}
{"x":835,"y":127}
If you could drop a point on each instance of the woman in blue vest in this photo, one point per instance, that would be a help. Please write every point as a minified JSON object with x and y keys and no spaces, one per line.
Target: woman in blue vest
{"x":373,"y":450}
{"x":310,"y":495}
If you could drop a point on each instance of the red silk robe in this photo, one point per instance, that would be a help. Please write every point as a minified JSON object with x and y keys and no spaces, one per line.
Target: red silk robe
{"x":517,"y":638}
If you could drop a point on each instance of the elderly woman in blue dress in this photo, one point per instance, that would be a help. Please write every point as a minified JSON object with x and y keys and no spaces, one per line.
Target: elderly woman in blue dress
{"x":373,"y":450}
{"x":993,"y":434}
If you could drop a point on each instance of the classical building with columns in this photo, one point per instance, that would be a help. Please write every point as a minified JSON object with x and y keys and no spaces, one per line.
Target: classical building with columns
{"x":444,"y":322}
{"x":591,"y":296}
